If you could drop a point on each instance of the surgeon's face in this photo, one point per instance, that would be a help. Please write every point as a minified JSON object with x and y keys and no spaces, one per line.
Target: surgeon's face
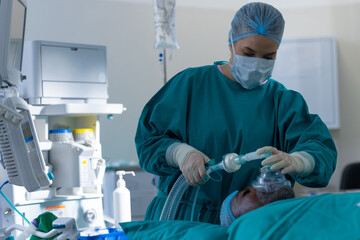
{"x":245,"y":201}
{"x":255,"y":46}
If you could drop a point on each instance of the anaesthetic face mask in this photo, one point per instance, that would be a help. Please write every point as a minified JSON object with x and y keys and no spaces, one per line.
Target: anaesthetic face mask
{"x":250,"y":72}
{"x":270,"y":181}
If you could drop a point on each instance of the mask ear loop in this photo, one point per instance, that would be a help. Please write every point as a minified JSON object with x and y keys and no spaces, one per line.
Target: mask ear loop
{"x":233,"y":49}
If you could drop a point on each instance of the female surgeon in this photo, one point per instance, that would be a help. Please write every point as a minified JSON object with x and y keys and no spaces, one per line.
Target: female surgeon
{"x":205,"y":112}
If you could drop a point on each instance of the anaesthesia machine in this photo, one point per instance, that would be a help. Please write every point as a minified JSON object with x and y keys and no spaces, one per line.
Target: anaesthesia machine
{"x":50,"y":152}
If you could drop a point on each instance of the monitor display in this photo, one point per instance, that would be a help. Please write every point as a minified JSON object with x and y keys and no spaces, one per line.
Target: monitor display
{"x":17,"y":34}
{"x":12,"y":28}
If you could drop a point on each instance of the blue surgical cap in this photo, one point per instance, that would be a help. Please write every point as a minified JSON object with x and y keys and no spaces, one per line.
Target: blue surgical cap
{"x":257,"y":18}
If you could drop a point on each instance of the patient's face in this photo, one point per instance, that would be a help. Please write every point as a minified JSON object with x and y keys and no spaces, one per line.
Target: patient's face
{"x":245,"y":201}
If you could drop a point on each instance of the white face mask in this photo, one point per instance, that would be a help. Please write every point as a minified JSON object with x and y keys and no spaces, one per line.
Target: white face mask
{"x":250,"y":72}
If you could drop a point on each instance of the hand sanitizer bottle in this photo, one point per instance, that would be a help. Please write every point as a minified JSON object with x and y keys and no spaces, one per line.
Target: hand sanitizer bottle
{"x":122,"y":201}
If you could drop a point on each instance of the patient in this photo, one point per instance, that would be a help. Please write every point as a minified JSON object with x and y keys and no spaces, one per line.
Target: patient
{"x":261,"y":192}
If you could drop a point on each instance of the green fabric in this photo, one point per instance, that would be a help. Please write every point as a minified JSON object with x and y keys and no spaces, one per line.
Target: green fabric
{"x":205,"y":109}
{"x":329,"y":216}
{"x":45,"y":224}
{"x":179,"y":230}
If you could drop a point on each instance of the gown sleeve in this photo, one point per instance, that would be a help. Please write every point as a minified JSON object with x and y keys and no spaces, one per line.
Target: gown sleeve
{"x":162,"y":123}
{"x":301,"y":131}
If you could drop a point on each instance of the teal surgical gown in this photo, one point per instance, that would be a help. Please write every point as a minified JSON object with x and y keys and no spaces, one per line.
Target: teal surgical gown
{"x":204,"y":109}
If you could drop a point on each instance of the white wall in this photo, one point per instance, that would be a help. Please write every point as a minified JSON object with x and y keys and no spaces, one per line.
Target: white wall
{"x":126,"y":29}
{"x":341,"y":22}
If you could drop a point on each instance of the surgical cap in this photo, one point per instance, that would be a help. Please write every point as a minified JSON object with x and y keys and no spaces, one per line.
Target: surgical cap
{"x":257,"y":18}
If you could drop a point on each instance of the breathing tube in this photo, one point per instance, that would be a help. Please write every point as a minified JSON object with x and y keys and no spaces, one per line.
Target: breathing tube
{"x":231,"y":162}
{"x":172,"y":201}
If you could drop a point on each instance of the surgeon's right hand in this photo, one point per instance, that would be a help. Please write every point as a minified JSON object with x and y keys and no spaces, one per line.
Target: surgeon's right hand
{"x":193,"y":167}
{"x":190,"y":161}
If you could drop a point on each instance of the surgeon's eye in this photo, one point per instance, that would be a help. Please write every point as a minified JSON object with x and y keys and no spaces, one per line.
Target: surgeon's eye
{"x":248,"y":54}
{"x":270,"y":56}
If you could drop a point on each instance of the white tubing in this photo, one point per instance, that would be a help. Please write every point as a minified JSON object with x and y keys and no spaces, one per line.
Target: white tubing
{"x":27,"y":233}
{"x":172,"y":201}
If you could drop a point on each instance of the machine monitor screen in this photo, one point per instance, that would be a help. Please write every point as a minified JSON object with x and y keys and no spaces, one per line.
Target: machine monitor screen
{"x":17,"y":34}
{"x":12,"y":28}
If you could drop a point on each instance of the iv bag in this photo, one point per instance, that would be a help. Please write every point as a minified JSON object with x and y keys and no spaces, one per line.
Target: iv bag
{"x":164,"y":21}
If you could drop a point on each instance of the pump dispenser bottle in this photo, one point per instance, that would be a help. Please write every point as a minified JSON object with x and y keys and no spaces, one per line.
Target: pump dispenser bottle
{"x":121,"y":200}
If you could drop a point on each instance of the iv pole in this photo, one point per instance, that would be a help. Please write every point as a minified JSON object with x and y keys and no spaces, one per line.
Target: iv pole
{"x":164,"y":66}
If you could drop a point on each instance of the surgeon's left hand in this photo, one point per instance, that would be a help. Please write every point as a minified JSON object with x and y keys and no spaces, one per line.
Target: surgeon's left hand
{"x":293,"y":163}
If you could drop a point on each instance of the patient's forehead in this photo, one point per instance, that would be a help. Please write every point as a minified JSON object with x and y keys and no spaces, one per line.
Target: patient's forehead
{"x":247,"y":200}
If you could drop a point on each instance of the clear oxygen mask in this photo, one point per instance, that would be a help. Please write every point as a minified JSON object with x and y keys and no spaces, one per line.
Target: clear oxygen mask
{"x":270,"y":181}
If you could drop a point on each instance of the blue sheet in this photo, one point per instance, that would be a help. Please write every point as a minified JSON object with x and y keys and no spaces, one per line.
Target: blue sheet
{"x":177,"y":230}
{"x":328,"y":216}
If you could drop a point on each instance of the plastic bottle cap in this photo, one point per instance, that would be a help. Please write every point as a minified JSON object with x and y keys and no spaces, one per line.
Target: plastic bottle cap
{"x":59,"y":131}
{"x":82,"y":130}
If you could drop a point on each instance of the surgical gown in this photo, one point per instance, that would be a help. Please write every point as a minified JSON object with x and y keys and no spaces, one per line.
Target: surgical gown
{"x":205,"y":109}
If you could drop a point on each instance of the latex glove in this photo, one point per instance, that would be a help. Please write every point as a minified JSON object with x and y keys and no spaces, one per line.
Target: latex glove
{"x":193,"y":167}
{"x":296,"y":163}
{"x":190,"y":161}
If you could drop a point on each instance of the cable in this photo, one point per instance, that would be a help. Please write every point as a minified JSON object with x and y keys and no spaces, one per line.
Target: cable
{"x":11,"y":203}
{"x":6,"y":182}
{"x":194,"y":203}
